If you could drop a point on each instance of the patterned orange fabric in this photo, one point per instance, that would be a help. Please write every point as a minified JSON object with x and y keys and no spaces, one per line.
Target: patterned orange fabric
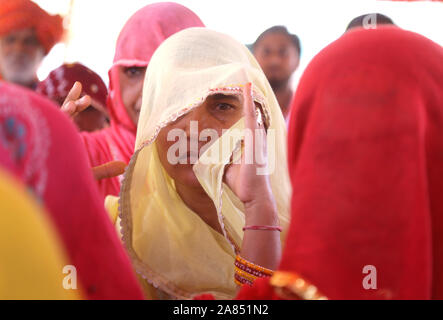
{"x":21,"y":14}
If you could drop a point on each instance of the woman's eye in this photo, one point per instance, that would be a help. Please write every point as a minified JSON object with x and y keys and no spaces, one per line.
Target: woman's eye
{"x":223,"y":107}
{"x":133,"y":72}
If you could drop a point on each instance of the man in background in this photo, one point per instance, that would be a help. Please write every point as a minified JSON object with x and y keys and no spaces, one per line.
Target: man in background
{"x":27,"y":34}
{"x":278,"y":53}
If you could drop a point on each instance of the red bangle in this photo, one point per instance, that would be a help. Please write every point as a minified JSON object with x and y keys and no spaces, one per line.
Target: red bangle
{"x":265,"y":228}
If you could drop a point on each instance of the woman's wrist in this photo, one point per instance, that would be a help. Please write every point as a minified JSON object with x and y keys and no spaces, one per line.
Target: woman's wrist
{"x":262,"y":211}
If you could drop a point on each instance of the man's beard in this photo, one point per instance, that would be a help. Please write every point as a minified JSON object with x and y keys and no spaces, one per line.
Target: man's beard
{"x":21,"y":69}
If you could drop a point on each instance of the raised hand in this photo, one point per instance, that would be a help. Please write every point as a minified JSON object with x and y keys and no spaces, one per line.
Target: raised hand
{"x":244,"y":178}
{"x":73,"y":104}
{"x":261,"y":247}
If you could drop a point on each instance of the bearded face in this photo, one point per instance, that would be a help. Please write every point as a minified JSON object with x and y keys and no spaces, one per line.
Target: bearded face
{"x":20,"y":56}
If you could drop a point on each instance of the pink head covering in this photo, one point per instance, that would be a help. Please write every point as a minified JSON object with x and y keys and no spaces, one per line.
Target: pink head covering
{"x":138,"y":40}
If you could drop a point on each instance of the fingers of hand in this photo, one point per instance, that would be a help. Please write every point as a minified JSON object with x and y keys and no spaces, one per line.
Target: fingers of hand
{"x":69,"y":107}
{"x":73,"y":107}
{"x":83,"y":103}
{"x":249,"y":107}
{"x":255,"y":151}
{"x":261,"y":147}
{"x":75,"y":92}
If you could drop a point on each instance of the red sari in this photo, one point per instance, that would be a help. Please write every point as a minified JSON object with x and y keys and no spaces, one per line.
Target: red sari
{"x":138,"y":40}
{"x":366,"y":164}
{"x":41,"y":147}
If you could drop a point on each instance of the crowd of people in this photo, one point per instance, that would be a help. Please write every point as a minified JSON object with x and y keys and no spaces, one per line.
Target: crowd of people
{"x":200,"y":174}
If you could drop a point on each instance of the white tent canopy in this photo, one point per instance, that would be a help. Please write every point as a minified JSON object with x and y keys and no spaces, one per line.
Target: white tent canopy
{"x":95,"y":24}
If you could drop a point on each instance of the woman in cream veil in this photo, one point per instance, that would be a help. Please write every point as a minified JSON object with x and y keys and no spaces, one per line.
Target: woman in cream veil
{"x":205,"y":221}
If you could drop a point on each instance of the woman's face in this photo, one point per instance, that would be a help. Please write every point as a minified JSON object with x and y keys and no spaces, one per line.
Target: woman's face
{"x":218,"y":112}
{"x":131,"y":88}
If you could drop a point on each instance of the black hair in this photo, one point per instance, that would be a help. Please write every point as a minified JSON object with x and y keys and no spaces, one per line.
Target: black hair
{"x":283,"y":30}
{"x":379,"y":19}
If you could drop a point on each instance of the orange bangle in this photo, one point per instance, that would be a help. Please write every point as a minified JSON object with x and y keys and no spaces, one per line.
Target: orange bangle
{"x":265,"y":271}
{"x":241,"y":281}
{"x":254,"y":272}
{"x":245,"y":275}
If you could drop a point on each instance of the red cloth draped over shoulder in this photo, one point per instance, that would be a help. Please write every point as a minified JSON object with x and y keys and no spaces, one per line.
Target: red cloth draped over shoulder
{"x":41,"y":147}
{"x":365,"y":159}
{"x":136,"y":44}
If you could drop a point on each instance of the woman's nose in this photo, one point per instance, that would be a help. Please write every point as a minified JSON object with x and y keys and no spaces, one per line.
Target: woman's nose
{"x":138,"y":102}
{"x":193,"y":122}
